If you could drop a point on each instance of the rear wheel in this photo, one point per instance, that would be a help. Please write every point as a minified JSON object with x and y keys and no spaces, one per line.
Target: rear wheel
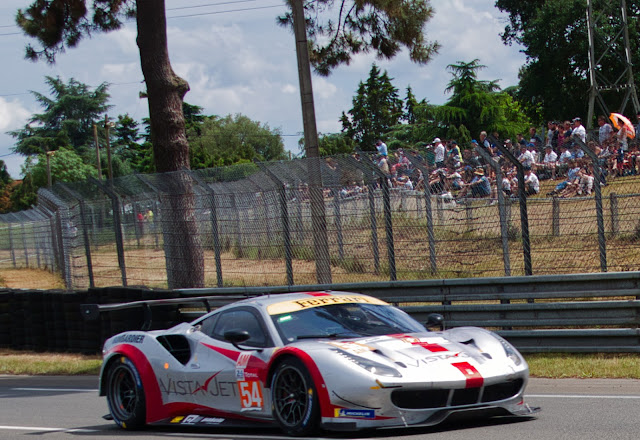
{"x":125,"y":395}
{"x":294,"y":397}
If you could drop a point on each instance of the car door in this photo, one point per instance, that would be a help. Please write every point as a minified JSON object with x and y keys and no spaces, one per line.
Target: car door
{"x":232,"y":379}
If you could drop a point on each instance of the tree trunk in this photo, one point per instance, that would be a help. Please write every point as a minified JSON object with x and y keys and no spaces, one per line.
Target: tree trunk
{"x":165,"y":91}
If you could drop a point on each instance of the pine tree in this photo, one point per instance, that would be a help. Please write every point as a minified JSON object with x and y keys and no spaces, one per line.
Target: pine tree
{"x":376,"y":108}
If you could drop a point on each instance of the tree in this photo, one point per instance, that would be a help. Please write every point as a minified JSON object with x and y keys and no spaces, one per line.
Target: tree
{"x":376,"y":108}
{"x":233,"y":139}
{"x":478,"y":105}
{"x":362,"y":26}
{"x":67,"y":119}
{"x":554,"y":83}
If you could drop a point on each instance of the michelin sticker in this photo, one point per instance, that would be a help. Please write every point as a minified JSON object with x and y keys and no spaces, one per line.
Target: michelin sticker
{"x":355,"y":413}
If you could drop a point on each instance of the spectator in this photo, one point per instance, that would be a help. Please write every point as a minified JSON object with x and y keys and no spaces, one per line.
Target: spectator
{"x":534,"y":138}
{"x":605,"y":132}
{"x":531,"y":182}
{"x":586,"y":183}
{"x":572,"y":175}
{"x":548,"y":166}
{"x":382,"y":148}
{"x":483,"y":140}
{"x":439,"y":152}
{"x":578,"y":130}
{"x":552,"y":135}
{"x":526,"y":158}
{"x":479,"y":185}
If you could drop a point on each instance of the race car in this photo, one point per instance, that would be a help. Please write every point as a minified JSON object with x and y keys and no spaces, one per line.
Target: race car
{"x":308,"y":361}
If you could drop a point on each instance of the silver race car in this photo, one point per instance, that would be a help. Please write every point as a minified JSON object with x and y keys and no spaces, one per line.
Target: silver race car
{"x":310,"y":360}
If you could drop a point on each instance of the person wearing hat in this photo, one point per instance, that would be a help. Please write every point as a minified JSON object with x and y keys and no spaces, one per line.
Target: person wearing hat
{"x":479,"y":185}
{"x":439,"y":152}
{"x":578,"y":130}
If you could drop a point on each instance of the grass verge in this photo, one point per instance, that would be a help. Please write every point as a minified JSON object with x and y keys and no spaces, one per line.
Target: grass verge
{"x":548,"y":365}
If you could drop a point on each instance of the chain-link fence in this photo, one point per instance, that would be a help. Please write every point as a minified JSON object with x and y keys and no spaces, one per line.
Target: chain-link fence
{"x":254,"y":224}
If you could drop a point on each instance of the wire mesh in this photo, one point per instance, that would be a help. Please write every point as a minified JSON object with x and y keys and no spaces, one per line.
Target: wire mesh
{"x":254,"y":225}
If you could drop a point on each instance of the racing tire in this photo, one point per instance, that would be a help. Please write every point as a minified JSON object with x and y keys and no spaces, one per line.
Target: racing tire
{"x":125,"y":394}
{"x":294,"y":398}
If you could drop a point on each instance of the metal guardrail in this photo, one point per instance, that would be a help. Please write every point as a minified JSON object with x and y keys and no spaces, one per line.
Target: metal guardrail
{"x":551,"y":313}
{"x":597,"y":312}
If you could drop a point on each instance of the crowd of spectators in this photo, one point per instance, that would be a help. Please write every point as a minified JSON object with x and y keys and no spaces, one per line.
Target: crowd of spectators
{"x":553,"y":155}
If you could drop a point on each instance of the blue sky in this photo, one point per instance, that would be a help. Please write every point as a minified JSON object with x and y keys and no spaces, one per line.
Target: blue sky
{"x":242,"y":62}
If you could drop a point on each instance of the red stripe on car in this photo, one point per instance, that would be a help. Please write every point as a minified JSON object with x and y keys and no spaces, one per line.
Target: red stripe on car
{"x":474,"y":378}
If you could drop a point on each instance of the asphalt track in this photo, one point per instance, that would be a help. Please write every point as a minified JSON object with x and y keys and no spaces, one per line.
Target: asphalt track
{"x":54,"y":408}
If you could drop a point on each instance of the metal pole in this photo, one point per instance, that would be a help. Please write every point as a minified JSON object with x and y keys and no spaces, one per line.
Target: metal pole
{"x":502,"y":210}
{"x":284,"y":215}
{"x":318,"y":217}
{"x":107,"y":124}
{"x":217,"y":247}
{"x":85,"y":231}
{"x":386,"y":204}
{"x":95,"y":140}
{"x":117,"y":222}
{"x":602,"y":243}
{"x":522,"y":197}
{"x":427,"y":199}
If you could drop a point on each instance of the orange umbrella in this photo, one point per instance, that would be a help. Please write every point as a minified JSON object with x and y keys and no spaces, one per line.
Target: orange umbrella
{"x":619,"y":121}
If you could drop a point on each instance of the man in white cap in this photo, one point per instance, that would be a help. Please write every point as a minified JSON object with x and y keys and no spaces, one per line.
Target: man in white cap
{"x":578,"y":130}
{"x":439,"y":153}
{"x":382,"y":148}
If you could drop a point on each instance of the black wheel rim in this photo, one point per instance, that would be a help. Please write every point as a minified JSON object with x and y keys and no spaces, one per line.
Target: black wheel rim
{"x":290,"y":396}
{"x":123,"y":392}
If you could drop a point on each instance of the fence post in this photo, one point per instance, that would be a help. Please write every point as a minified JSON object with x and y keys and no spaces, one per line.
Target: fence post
{"x":602,"y":241}
{"x":284,"y":216}
{"x":117,"y":222}
{"x":13,"y":252}
{"x":615,"y":217}
{"x":85,"y":231}
{"x":217,"y":247}
{"x":502,"y":209}
{"x":338,"y":222}
{"x":429,"y":211}
{"x":555,"y":216}
{"x":386,"y":205}
{"x":524,"y":216}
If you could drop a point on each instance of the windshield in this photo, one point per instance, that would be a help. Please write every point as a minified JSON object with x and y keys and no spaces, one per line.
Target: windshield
{"x":344,"y":321}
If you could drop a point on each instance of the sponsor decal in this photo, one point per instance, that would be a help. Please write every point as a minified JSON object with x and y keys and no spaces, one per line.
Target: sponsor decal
{"x":474,"y":378}
{"x":240,"y":374}
{"x":212,"y":420}
{"x":352,"y":347}
{"x":128,"y":339}
{"x":292,"y":306}
{"x":191,"y":420}
{"x":211,"y":386}
{"x":177,"y":419}
{"x":355,"y":413}
{"x":250,"y":394}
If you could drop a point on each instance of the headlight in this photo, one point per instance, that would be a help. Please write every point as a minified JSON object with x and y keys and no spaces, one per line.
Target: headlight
{"x":369,"y":365}
{"x":510,"y":351}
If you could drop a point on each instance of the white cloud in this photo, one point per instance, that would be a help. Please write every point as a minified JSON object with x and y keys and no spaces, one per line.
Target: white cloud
{"x":13,"y":114}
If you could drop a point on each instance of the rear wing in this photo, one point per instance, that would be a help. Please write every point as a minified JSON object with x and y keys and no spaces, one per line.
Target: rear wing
{"x":91,"y":312}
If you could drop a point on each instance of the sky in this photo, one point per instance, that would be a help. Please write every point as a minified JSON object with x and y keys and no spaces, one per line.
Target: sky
{"x":237,"y":60}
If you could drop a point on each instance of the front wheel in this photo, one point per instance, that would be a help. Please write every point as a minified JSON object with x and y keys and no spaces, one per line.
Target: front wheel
{"x":125,"y":395}
{"x":294,"y":397}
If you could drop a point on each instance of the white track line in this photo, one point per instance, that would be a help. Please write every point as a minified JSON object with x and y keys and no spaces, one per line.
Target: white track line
{"x":577,"y":396}
{"x":66,"y":390}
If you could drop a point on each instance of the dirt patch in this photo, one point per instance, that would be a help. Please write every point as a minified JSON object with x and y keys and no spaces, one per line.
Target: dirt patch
{"x":30,"y":279}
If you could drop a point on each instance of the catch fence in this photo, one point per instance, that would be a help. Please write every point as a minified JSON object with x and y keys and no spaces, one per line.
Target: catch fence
{"x":254,"y":225}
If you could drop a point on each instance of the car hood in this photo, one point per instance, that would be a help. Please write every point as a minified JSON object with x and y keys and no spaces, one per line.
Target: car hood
{"x":420,"y":351}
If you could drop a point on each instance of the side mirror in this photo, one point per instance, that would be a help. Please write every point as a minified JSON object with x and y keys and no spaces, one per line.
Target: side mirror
{"x":435,"y":320}
{"x":237,"y":337}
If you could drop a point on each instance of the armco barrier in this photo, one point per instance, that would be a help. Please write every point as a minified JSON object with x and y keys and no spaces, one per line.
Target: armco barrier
{"x":572,"y":313}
